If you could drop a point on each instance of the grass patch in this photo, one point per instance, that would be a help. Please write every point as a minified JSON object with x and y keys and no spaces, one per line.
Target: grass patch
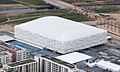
{"x":34,"y":2}
{"x":21,"y":63}
{"x":75,"y":17}
{"x":113,"y":1}
{"x":78,"y":1}
{"x":106,"y":9}
{"x":88,"y":0}
{"x":71,"y":16}
{"x":20,"y":21}
{"x":33,"y":15}
{"x":3,"y":18}
{"x":7,"y":2}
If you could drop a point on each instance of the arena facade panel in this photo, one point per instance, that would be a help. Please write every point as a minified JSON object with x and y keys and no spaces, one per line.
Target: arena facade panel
{"x":59,"y":34}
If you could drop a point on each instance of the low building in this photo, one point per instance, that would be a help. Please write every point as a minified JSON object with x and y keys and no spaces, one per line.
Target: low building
{"x":18,"y":54}
{"x":24,"y":66}
{"x":50,"y":64}
{"x":106,"y":65}
{"x":5,"y":57}
{"x":74,"y":57}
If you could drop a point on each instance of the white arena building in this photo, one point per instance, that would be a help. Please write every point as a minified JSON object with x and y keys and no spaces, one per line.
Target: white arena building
{"x":59,"y":34}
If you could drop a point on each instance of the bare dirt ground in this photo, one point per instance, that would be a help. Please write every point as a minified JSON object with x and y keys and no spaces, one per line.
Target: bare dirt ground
{"x":6,"y":28}
{"x":114,"y":36}
{"x":110,"y":29}
{"x":11,"y":5}
{"x":110,"y":44}
{"x":112,"y":32}
{"x":90,"y":22}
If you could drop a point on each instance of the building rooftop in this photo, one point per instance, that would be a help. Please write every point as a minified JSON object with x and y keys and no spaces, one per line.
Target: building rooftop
{"x":3,"y":52}
{"x":108,"y":65}
{"x":31,"y":49}
{"x":21,"y":63}
{"x":74,"y":57}
{"x":60,"y":29}
{"x":14,"y":47}
{"x":5,"y":38}
{"x":59,"y":61}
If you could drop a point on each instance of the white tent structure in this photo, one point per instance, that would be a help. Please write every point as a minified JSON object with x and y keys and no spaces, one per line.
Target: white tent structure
{"x":108,"y":65}
{"x":59,"y":34}
{"x":74,"y":57}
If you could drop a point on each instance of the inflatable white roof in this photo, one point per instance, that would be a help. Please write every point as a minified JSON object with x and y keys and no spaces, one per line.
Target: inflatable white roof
{"x":60,"y":29}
